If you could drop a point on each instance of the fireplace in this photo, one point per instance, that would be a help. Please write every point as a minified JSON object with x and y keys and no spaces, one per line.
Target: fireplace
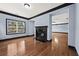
{"x":41,"y":33}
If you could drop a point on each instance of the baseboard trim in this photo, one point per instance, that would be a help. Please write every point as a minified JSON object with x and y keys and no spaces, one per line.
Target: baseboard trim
{"x":73,"y":48}
{"x":17,"y":37}
{"x":45,"y":40}
{"x":61,"y":32}
{"x":49,"y":40}
{"x":77,"y":51}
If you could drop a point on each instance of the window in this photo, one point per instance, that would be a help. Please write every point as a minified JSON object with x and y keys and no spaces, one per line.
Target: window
{"x":15,"y":26}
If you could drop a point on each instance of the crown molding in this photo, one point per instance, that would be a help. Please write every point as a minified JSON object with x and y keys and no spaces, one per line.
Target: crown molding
{"x":4,"y":12}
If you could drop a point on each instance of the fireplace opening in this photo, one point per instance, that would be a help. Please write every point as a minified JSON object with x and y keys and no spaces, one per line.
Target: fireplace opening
{"x":41,"y":33}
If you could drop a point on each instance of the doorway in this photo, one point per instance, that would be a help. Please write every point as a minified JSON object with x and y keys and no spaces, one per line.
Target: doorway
{"x":60,"y":28}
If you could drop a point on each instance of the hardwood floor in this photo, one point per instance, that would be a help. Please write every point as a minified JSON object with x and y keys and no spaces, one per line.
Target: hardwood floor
{"x":28,"y":46}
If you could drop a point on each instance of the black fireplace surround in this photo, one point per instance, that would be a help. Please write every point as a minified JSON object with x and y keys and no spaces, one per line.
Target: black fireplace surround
{"x":41,"y":33}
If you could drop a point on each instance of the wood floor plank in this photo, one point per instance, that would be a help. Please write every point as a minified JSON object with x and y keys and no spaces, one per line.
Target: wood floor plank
{"x":28,"y":46}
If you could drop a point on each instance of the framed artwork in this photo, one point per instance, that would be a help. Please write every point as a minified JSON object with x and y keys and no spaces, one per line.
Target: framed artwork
{"x":15,"y":26}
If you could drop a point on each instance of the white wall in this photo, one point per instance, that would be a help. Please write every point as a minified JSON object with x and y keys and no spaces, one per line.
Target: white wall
{"x":60,"y":28}
{"x":3,"y":26}
{"x":31,"y":27}
{"x":61,"y":18}
{"x":71,"y":32}
{"x":77,"y":28}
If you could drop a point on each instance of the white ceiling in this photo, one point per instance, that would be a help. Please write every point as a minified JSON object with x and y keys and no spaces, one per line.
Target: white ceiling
{"x":19,"y":9}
